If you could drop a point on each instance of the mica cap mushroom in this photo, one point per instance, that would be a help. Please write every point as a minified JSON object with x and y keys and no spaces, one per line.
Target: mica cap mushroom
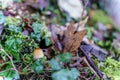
{"x":38,"y":53}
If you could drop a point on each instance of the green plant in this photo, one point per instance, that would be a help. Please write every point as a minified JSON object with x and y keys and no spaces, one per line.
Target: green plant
{"x":111,"y":67}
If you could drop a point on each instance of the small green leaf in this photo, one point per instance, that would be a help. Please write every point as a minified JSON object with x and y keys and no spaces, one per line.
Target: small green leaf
{"x":36,"y":27}
{"x":75,"y":73}
{"x":11,"y":21}
{"x":45,"y":32}
{"x":15,"y":29}
{"x":55,"y":65}
{"x":66,"y":74}
{"x":48,"y":42}
{"x":39,"y":69}
{"x":12,"y":46}
{"x":10,"y":75}
{"x":37,"y":66}
{"x":36,"y":36}
{"x":40,"y":32}
{"x":65,"y":57}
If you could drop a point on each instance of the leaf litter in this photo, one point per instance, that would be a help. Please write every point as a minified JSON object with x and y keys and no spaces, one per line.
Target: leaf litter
{"x":66,"y":38}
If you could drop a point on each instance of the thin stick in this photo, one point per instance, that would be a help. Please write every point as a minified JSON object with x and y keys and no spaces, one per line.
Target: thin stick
{"x":9,"y":58}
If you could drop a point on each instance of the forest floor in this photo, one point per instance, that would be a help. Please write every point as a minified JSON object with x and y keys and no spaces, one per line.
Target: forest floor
{"x":39,"y":41}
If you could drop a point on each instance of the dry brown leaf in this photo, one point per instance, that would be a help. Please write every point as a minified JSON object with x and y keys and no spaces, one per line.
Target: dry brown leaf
{"x":57,"y":30}
{"x":68,"y":39}
{"x":72,"y":38}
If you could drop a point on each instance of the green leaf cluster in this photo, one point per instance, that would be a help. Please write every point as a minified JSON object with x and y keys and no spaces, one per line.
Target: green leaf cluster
{"x":40,"y":31}
{"x":10,"y":75}
{"x":56,"y":63}
{"x":66,"y":74}
{"x":12,"y":46}
{"x":37,"y":66}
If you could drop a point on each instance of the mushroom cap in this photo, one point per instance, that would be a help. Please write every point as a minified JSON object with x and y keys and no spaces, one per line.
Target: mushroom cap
{"x":38,"y":53}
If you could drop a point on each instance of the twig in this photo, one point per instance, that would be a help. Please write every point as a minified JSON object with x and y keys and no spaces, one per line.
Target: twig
{"x":91,"y":64}
{"x":7,"y":70}
{"x":9,"y":58}
{"x":83,"y":77}
{"x":79,"y":59}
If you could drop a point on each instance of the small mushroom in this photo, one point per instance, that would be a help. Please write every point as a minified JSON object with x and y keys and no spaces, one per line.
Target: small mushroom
{"x":38,"y":53}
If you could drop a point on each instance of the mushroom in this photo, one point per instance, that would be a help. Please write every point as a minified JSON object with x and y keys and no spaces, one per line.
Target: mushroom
{"x":38,"y":53}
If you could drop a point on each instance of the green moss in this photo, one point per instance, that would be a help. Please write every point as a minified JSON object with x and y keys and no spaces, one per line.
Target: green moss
{"x":101,"y":16}
{"x":112,"y":68}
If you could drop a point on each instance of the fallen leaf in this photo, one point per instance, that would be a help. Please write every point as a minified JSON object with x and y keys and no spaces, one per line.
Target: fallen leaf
{"x":28,"y":26}
{"x":72,"y":40}
{"x":68,"y":39}
{"x":73,"y":36}
{"x":57,"y":31}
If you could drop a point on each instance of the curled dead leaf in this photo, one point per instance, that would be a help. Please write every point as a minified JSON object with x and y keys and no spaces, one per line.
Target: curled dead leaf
{"x":68,"y":39}
{"x":74,"y":35}
{"x":72,"y":38}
